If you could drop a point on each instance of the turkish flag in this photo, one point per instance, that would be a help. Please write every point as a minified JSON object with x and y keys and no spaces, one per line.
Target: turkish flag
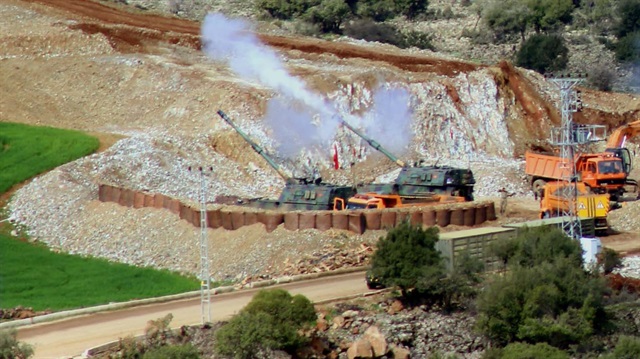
{"x":336,"y":164}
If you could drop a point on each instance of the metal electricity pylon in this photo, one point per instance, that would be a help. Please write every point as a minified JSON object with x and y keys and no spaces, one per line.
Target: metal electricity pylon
{"x":205,"y":277}
{"x":568,"y":136}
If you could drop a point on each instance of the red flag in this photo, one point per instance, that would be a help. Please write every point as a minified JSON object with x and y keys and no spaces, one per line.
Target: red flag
{"x":336,"y":164}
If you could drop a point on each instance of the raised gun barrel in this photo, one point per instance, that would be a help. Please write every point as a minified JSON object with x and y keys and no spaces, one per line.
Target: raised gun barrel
{"x":375,"y":145}
{"x":255,"y":147}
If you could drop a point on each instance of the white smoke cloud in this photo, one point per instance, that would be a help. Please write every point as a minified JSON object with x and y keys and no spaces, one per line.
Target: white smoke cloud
{"x":232,"y":40}
{"x":299,"y":117}
{"x":390,"y":119}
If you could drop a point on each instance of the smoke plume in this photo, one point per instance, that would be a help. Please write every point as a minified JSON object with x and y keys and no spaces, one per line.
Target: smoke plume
{"x":299,"y":117}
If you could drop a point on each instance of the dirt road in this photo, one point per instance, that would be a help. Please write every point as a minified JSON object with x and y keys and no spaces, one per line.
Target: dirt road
{"x":73,"y":336}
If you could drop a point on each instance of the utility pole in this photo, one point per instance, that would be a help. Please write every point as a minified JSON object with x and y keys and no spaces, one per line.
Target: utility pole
{"x":568,"y":136}
{"x":205,"y":277}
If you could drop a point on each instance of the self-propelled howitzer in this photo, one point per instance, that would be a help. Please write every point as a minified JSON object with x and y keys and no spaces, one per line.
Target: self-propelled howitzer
{"x":421,"y":180}
{"x":298,"y":193}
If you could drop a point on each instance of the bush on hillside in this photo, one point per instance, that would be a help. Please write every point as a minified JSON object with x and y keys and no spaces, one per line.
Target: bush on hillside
{"x":609,"y":260}
{"x":506,"y":19}
{"x":271,"y":320}
{"x":546,"y":296}
{"x":329,"y":15}
{"x":628,"y":48}
{"x":186,"y":351}
{"x":528,"y":351}
{"x":377,"y":10}
{"x":626,"y":348}
{"x":407,"y":258}
{"x":367,"y":29}
{"x":629,"y":18}
{"x":543,"y":53}
{"x":11,"y":348}
{"x":286,"y":9}
{"x":411,"y":8}
{"x":602,"y":77}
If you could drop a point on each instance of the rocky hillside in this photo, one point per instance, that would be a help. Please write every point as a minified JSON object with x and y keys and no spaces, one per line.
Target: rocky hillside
{"x":144,"y":79}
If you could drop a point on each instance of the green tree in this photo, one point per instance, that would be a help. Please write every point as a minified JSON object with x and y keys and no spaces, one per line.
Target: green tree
{"x":378,"y":10}
{"x":407,"y":258}
{"x":547,"y":15}
{"x":629,"y":15}
{"x":628,"y":47}
{"x":626,"y":348}
{"x":505,"y":17}
{"x":286,"y":9}
{"x":546,"y":296}
{"x":329,"y":15}
{"x":11,"y":348}
{"x":543,"y":53}
{"x":411,"y":8}
{"x":270,"y":321}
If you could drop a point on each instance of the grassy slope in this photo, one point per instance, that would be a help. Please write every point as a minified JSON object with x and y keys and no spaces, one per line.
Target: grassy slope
{"x":31,"y":275}
{"x":26,"y":151}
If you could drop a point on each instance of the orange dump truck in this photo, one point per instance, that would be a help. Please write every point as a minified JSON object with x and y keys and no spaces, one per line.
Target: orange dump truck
{"x":601,"y":172}
{"x":379,"y":201}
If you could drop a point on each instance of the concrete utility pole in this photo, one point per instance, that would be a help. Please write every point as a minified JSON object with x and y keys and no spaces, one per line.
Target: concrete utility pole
{"x":568,"y":137}
{"x":205,"y":277}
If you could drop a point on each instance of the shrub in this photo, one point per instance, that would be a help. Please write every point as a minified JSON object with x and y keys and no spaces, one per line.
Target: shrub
{"x":543,"y":53}
{"x":629,"y":14}
{"x":186,"y":351}
{"x":602,"y":77}
{"x":411,"y":8}
{"x":628,"y":48}
{"x":545,"y":297}
{"x":369,"y":30}
{"x":378,"y":10}
{"x":417,"y":39}
{"x":528,"y":351}
{"x":506,"y":18}
{"x":11,"y":348}
{"x":329,"y":15}
{"x":407,"y":258}
{"x":626,"y":348}
{"x":609,"y":259}
{"x":285,"y":9}
{"x":270,"y":321}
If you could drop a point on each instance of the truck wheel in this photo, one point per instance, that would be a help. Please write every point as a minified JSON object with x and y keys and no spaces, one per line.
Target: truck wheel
{"x":537,"y":186}
{"x":546,"y":214}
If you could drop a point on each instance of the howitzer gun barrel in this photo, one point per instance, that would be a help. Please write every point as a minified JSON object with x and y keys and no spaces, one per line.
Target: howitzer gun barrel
{"x":255,"y":146}
{"x":375,"y":145}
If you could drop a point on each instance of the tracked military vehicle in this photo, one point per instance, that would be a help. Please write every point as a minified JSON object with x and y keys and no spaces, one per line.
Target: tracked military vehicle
{"x":298,"y":193}
{"x":420,"y":180}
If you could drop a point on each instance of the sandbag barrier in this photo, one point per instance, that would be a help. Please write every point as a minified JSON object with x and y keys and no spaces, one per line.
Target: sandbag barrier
{"x":466,"y":214}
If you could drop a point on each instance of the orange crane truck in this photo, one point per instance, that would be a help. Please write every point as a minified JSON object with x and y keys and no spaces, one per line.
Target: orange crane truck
{"x":601,"y":172}
{"x":553,"y":202}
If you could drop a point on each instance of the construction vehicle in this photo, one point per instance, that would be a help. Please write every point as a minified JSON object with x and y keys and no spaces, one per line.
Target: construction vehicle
{"x":601,"y":172}
{"x":615,"y":145}
{"x":380,"y":201}
{"x":554,"y":202}
{"x":420,"y":180}
{"x":298,"y":193}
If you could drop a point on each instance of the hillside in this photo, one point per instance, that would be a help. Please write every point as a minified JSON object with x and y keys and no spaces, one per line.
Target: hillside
{"x":141,"y":79}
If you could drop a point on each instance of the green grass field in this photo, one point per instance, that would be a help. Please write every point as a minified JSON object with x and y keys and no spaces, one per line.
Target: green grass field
{"x":26,"y":151}
{"x":33,"y":276}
